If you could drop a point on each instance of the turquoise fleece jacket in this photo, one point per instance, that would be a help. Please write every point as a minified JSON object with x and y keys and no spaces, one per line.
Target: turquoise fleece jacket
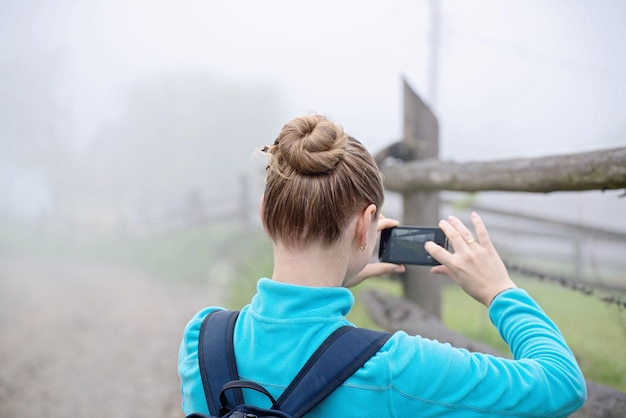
{"x":410,"y":376}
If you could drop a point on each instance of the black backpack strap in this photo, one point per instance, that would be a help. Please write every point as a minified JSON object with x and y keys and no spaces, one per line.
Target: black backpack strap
{"x":216,"y":338}
{"x":245,"y":384}
{"x":344,"y":352}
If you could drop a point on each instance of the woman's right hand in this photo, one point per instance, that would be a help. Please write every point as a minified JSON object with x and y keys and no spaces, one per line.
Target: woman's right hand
{"x":475,"y":264}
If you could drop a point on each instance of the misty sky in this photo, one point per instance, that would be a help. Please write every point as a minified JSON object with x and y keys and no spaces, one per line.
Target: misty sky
{"x":513,"y":78}
{"x":547,"y":72}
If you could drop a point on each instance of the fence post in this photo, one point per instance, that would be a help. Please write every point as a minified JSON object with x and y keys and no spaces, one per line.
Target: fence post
{"x":421,"y":208}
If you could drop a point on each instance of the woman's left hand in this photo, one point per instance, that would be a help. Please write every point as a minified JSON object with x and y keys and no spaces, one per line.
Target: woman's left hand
{"x":378,"y":268}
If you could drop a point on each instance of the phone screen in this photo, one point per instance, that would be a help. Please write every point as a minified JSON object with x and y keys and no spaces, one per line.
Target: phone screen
{"x":405,"y":245}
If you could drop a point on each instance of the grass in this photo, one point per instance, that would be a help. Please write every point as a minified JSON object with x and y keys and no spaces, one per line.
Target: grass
{"x":595,"y":331}
{"x":181,"y":256}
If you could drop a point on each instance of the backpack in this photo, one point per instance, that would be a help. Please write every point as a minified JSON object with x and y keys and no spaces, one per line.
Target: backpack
{"x":340,"y":355}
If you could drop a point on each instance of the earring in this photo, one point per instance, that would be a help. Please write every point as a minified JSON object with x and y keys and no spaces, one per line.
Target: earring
{"x":363,"y":247}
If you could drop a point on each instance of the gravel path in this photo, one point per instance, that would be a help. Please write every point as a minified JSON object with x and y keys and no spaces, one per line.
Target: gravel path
{"x":90,"y":340}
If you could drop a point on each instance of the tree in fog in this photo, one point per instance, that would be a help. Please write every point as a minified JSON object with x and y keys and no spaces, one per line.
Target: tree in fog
{"x":180,"y":137}
{"x":34,"y":127}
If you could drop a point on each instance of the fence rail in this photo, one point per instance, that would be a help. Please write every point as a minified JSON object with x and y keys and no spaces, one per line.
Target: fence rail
{"x":421,"y":176}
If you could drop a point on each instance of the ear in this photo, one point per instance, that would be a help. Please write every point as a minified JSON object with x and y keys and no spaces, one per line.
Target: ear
{"x":261,"y":207}
{"x":364,"y":224}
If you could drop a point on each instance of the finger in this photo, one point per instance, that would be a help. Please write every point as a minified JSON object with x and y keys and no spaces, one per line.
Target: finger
{"x":377,"y":269}
{"x":454,"y":237}
{"x":437,"y":252}
{"x":467,"y":235}
{"x":481,"y":229}
{"x":440,"y":269}
{"x":385,"y":223}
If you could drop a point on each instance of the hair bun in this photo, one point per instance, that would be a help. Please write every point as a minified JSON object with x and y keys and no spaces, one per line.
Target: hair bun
{"x":311,"y":145}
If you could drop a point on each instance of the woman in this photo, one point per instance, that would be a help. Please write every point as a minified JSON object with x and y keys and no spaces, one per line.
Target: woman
{"x":321,"y":209}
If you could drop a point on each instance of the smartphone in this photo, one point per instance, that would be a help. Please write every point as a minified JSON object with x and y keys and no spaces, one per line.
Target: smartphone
{"x":405,"y":245}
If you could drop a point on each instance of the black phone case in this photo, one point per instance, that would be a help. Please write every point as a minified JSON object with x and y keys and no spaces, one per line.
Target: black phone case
{"x":418,"y":256}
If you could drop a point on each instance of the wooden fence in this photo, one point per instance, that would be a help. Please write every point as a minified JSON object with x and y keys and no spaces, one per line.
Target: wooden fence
{"x":419,"y":176}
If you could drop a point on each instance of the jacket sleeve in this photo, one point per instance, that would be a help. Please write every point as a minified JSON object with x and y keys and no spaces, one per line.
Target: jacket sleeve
{"x":192,"y":391}
{"x":542,"y":380}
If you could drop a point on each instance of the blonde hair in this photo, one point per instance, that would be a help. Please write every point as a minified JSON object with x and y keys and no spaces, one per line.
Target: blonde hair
{"x":317,"y":179}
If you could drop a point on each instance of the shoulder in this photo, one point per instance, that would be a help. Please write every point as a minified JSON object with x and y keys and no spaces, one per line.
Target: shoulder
{"x":189,"y":345}
{"x":192,"y":391}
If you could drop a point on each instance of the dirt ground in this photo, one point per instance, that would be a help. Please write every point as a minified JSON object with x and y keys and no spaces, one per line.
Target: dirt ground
{"x":90,"y":340}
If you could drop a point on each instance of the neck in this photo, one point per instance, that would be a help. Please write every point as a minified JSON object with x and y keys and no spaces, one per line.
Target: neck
{"x":314,"y":265}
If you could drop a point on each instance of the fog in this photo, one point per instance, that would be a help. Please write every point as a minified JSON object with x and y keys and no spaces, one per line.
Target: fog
{"x":129,"y":137}
{"x":112,"y":113}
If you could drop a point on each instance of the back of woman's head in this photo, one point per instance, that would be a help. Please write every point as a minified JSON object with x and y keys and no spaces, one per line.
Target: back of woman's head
{"x":317,"y":179}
